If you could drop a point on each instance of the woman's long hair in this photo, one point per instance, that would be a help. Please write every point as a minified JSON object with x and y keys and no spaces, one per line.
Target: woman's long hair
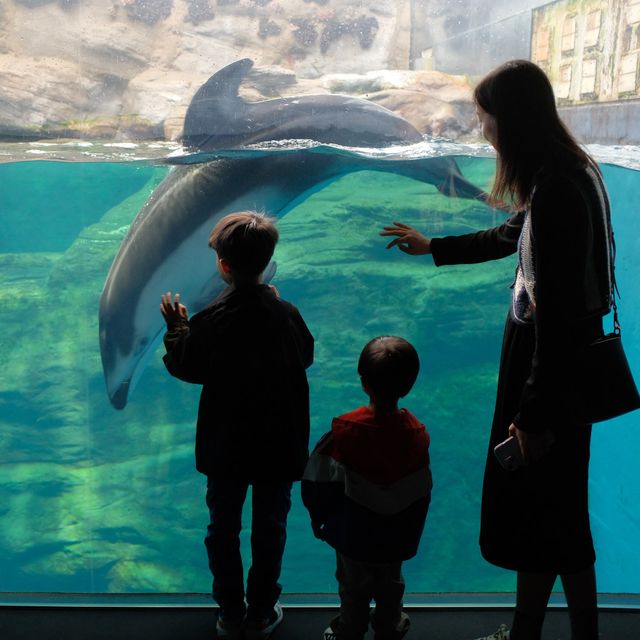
{"x":530,"y":135}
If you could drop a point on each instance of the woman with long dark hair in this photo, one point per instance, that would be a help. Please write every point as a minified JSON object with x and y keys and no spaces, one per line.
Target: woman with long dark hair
{"x":535,"y":520}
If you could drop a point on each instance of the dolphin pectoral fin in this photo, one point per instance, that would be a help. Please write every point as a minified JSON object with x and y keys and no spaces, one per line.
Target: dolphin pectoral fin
{"x":216,"y":108}
{"x":269,"y":272}
{"x":206,"y":294}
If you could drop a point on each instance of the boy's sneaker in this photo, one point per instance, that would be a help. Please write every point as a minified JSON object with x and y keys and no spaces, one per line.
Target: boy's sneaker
{"x":501,"y":634}
{"x":330,"y":632}
{"x":263,"y":628}
{"x":228,"y":628}
{"x":399,"y":632}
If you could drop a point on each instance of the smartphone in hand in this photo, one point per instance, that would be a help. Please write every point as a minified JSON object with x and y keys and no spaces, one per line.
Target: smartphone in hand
{"x":509,"y":454}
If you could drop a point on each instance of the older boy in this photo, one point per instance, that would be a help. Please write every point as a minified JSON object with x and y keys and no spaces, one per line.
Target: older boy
{"x":367,"y":487}
{"x":249,"y":350}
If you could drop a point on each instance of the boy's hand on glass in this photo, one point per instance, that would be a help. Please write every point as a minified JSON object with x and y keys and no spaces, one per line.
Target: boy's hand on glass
{"x":172,"y":311}
{"x":275,"y":291}
{"x":408,"y":239}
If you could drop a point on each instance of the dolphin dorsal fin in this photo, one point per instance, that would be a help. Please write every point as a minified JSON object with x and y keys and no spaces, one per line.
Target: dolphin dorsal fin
{"x":216,"y":108}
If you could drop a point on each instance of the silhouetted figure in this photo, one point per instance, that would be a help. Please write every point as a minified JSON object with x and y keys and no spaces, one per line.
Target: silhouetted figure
{"x":535,"y":520}
{"x":249,"y":350}
{"x":367,"y":487}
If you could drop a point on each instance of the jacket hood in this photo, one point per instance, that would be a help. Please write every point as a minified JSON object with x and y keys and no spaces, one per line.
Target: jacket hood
{"x":381,"y":448}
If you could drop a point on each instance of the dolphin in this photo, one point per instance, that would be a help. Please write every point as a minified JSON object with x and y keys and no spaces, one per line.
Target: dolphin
{"x":218,"y":118}
{"x":166,"y":248}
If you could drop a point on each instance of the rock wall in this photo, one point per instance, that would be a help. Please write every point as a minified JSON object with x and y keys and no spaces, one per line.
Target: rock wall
{"x":126,"y":69}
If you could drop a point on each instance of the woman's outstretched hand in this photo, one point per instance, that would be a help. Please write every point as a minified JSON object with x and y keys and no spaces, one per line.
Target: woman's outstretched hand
{"x":408,"y":239}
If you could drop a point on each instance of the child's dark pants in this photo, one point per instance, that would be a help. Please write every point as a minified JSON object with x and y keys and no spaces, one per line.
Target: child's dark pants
{"x":358,"y":584}
{"x":270,"y":506}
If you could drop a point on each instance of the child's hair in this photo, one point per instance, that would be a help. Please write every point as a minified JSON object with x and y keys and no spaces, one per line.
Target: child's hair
{"x":389,"y":367}
{"x":246,"y":240}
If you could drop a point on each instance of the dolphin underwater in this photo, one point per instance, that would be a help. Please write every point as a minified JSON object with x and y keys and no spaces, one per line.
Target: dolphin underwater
{"x":166,"y":247}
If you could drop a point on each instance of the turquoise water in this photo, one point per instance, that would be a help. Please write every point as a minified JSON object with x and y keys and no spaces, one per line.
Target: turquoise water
{"x":98,"y":500}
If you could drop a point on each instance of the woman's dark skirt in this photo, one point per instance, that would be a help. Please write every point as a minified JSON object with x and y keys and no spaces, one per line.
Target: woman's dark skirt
{"x":535,"y":519}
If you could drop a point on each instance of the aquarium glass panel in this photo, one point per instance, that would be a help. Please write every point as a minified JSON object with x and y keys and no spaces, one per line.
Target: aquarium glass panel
{"x":336,"y":117}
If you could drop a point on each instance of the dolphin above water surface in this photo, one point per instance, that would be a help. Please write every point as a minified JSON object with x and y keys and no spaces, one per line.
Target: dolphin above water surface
{"x":217,"y":118}
{"x":166,"y":247}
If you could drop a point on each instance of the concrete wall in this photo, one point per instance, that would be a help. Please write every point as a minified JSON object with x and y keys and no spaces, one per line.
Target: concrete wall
{"x":604,"y":123}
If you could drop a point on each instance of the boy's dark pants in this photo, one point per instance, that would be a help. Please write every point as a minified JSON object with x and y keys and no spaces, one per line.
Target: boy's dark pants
{"x":358,"y":584}
{"x":270,"y":506}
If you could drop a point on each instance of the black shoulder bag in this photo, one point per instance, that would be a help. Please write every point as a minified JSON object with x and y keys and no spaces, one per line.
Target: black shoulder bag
{"x":606,"y":388}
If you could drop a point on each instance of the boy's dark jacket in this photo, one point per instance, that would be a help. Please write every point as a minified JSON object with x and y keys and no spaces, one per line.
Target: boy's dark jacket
{"x":249,"y":350}
{"x":367,"y":485}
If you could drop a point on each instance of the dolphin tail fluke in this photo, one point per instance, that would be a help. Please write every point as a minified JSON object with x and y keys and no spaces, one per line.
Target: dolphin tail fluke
{"x":457,"y":186}
{"x":444,"y":173}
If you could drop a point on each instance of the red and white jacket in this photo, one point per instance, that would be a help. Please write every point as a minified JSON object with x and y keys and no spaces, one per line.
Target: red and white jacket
{"x":367,"y":485}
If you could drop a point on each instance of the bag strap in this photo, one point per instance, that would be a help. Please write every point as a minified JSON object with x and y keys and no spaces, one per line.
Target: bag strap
{"x":613,"y":286}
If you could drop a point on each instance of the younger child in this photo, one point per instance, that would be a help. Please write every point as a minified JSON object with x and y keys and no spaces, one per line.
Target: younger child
{"x":249,"y":350}
{"x":367,"y":487}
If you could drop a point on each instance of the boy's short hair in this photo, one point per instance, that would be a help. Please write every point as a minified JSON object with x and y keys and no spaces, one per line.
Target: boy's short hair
{"x":246,"y":240}
{"x":389,"y":366}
